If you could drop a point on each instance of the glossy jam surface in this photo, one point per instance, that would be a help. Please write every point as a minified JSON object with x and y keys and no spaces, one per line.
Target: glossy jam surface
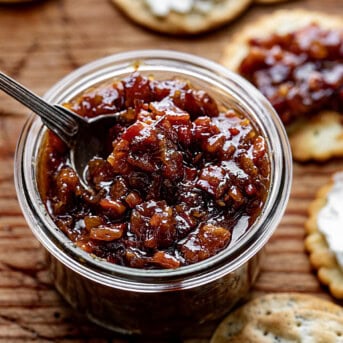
{"x":301,"y":72}
{"x":183,"y":178}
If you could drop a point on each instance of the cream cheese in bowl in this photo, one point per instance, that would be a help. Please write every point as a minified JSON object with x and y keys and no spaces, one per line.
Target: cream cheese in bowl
{"x":330,"y":218}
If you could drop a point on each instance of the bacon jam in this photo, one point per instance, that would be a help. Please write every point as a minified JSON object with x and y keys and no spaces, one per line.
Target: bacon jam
{"x":300,"y":72}
{"x":181,"y":179}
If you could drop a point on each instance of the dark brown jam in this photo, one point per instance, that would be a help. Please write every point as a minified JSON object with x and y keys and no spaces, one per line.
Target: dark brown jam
{"x":182,"y":180}
{"x":300,"y":73}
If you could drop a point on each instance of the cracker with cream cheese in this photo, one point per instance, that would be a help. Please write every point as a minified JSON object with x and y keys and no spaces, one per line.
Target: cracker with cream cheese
{"x":321,"y":257}
{"x":193,"y":22}
{"x":319,"y":137}
{"x":283,"y":317}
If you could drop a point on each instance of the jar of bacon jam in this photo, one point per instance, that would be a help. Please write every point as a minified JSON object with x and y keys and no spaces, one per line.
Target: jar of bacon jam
{"x":169,"y":229}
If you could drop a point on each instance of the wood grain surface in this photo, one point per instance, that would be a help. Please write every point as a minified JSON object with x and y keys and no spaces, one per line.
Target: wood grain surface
{"x":42,"y":42}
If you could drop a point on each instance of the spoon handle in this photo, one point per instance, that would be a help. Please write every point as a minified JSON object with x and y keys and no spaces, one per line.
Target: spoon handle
{"x":60,"y":120}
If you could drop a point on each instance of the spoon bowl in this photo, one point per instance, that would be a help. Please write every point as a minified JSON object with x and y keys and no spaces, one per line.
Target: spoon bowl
{"x":84,"y":137}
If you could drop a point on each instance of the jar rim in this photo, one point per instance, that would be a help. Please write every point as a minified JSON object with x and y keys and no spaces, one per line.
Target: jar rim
{"x":101,"y":271}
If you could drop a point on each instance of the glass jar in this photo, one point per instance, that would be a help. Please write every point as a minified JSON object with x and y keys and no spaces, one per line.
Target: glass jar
{"x":136,"y":301}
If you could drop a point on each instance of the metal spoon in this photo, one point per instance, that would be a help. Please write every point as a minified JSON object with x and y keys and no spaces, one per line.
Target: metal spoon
{"x":85,"y":137}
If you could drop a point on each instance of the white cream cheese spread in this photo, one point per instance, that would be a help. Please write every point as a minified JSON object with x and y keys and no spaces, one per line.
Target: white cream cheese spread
{"x":330,"y":218}
{"x":161,"y":8}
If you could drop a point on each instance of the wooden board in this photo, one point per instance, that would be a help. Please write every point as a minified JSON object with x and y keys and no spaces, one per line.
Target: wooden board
{"x":39,"y":44}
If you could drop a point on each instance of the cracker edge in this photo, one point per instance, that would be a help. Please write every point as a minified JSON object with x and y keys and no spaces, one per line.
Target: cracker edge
{"x":303,"y":142}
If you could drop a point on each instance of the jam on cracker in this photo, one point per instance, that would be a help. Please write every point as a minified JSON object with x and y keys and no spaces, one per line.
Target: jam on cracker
{"x":301,"y":72}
